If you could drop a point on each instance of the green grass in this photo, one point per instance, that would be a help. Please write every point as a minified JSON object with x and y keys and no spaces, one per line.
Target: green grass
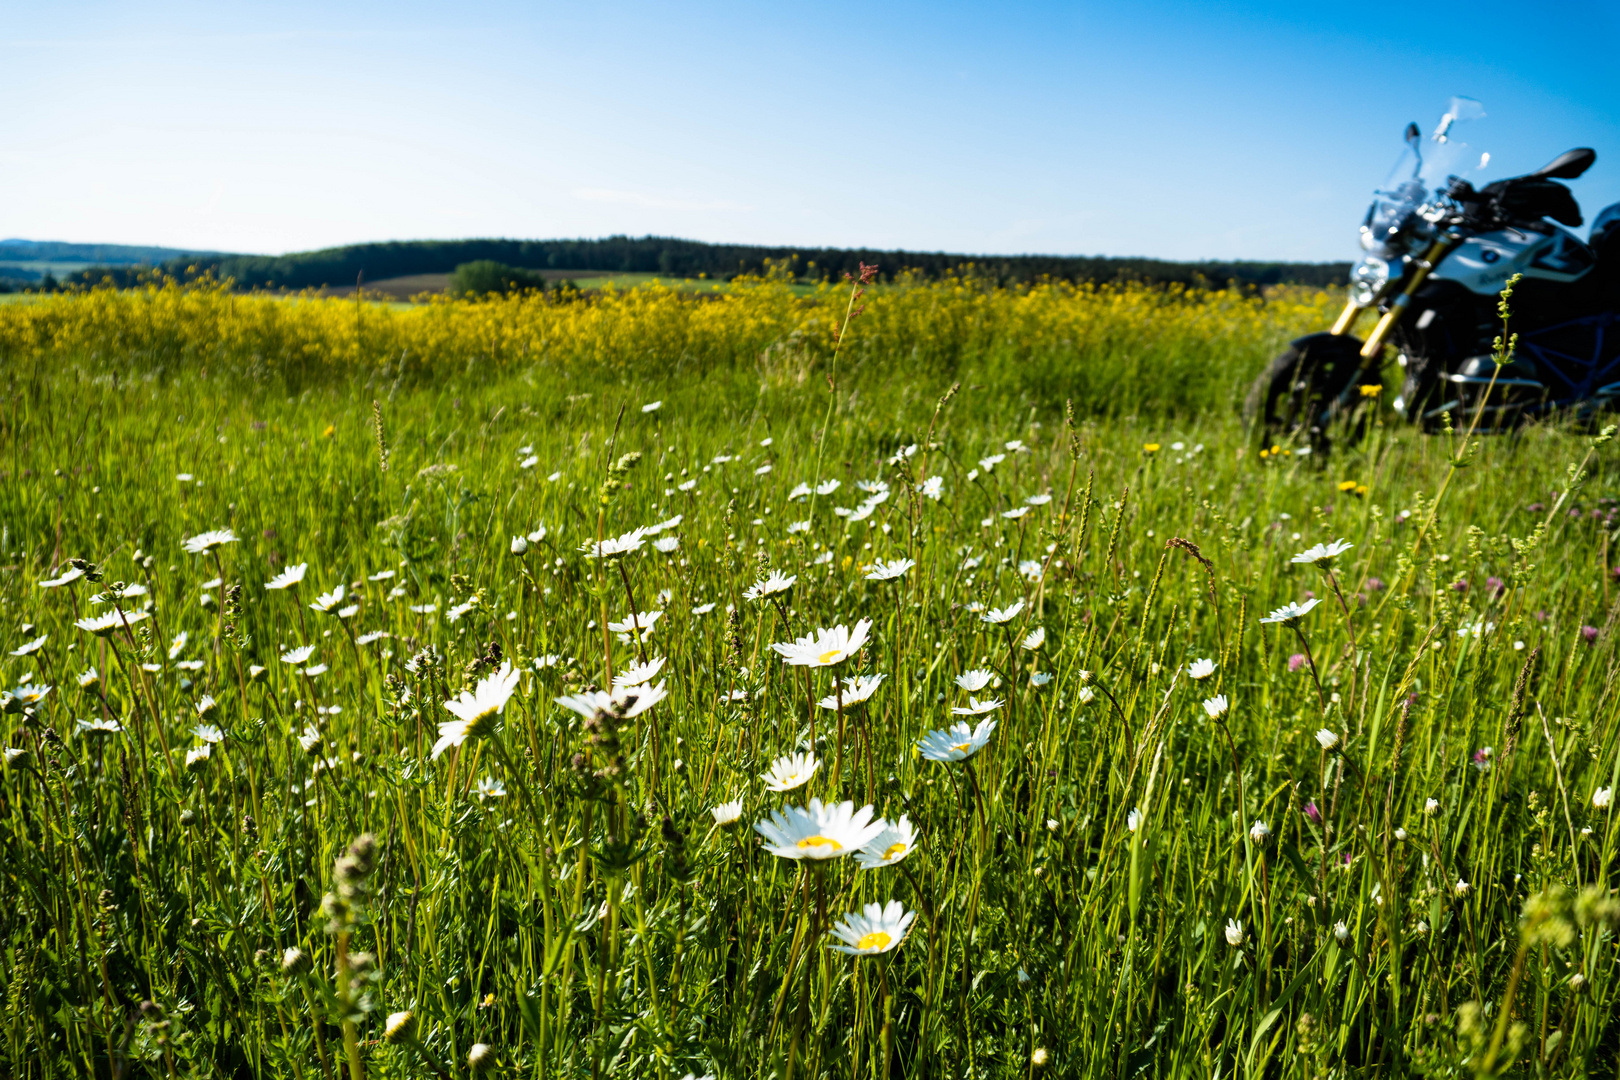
{"x":594,"y":920}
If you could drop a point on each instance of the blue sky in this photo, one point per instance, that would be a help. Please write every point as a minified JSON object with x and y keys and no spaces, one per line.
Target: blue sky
{"x":1178,"y":130}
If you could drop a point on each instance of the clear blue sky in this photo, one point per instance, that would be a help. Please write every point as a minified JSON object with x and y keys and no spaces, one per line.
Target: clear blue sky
{"x":1179,"y":130}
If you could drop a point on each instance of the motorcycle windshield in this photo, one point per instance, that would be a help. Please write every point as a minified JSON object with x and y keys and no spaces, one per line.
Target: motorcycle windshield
{"x":1422,"y":173}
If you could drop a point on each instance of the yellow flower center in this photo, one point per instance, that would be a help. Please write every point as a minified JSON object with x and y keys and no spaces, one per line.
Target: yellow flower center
{"x":962,"y":746}
{"x":877,"y":939}
{"x":820,"y":841}
{"x":893,"y":851}
{"x":828,"y":657}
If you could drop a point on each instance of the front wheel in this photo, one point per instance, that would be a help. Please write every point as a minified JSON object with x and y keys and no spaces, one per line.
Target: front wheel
{"x":1316,"y":381}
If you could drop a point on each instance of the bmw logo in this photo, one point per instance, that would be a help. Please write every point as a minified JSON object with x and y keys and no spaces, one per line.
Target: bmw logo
{"x":1490,"y":255}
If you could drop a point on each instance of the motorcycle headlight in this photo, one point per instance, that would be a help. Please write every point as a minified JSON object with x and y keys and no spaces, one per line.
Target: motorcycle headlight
{"x":1368,"y":279}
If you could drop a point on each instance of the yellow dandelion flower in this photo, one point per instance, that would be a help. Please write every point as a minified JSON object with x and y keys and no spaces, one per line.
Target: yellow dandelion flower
{"x":1151,"y":447}
{"x":1347,"y":485}
{"x":1371,"y":389}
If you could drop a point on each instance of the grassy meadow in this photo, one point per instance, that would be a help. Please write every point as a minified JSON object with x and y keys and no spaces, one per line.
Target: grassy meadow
{"x":250,"y":549}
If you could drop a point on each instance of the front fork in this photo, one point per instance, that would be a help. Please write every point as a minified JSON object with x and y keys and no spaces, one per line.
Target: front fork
{"x":1421,"y":269}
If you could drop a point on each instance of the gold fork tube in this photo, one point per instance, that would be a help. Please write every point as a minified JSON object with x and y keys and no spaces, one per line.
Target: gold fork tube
{"x":1347,"y":319}
{"x":1431,"y":258}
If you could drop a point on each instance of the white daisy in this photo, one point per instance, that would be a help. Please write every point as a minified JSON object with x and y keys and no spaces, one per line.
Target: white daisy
{"x":957,"y":742}
{"x":975,"y":680}
{"x":998,"y":616}
{"x":1291,"y":611}
{"x":1322,"y":555}
{"x":205,"y":542}
{"x":102,"y":625}
{"x":640,"y":623}
{"x":791,"y":771}
{"x":856,"y":691}
{"x":827,"y":487}
{"x":819,"y":831}
{"x":933,"y":487}
{"x":198,"y":756}
{"x":878,"y":928}
{"x":326,"y":602}
{"x":639,"y":674}
{"x":1015,"y":513}
{"x":1035,"y":640}
{"x":624,"y":702}
{"x":30,"y":646}
{"x":890,"y":846}
{"x":88,"y":678}
{"x":888,"y":571}
{"x":1216,"y":706}
{"x":989,"y":463}
{"x":68,"y":576}
{"x":29,"y":694}
{"x":776,"y":582}
{"x":99,"y":726}
{"x":1038,"y":500}
{"x":615,"y":546}
{"x":1201,"y":669}
{"x":825,"y":647}
{"x":1234,"y":933}
{"x":292,"y":575}
{"x":475,"y":711}
{"x":666,"y":544}
{"x":208,"y":733}
{"x":519,"y":545}
{"x":975,"y":707}
{"x":727,"y":813}
{"x":800,"y":491}
{"x":381,"y":575}
{"x":1327,"y":739}
{"x":298,"y":655}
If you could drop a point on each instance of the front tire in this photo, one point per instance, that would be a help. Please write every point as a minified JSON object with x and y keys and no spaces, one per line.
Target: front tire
{"x":1313,"y":383}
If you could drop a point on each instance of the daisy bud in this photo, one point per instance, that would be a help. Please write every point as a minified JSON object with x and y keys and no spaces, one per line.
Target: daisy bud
{"x":1259,"y":832}
{"x":520,"y":545}
{"x":1602,"y":797}
{"x":295,"y":961}
{"x":1234,"y":933}
{"x":480,"y":1057}
{"x":1341,"y":931}
{"x":401,"y":1027}
{"x":1327,"y":739}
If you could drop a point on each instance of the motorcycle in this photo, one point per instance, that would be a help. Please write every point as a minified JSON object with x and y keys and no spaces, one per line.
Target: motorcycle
{"x":1438,"y":254}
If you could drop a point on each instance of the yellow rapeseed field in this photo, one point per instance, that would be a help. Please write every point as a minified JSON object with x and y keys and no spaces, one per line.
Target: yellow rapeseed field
{"x":1127,"y":345}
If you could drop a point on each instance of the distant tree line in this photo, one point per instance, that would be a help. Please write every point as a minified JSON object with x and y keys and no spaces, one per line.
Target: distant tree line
{"x":689,"y":259}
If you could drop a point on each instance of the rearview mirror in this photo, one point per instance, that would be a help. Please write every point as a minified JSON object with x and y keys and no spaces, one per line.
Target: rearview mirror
{"x":1568,"y":165}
